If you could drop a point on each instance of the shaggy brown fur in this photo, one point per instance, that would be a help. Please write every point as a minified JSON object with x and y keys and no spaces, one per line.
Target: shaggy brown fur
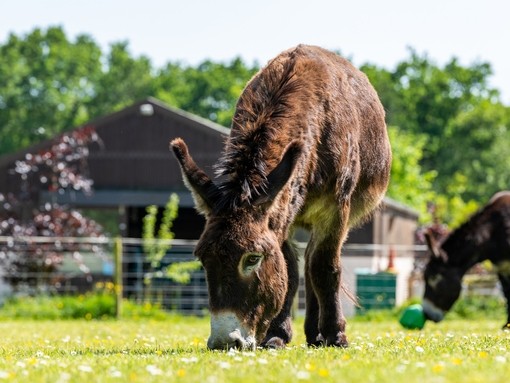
{"x":308,"y":147}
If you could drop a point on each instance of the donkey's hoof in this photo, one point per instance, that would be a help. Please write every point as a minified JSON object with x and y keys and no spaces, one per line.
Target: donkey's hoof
{"x":274,"y":343}
{"x":338,"y":340}
{"x":506,"y":327}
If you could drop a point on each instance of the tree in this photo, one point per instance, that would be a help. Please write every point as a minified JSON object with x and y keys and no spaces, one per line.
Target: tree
{"x":210,"y":90}
{"x":406,"y":170}
{"x":124,"y":80}
{"x":475,"y":147}
{"x":45,"y":83}
{"x":465,"y":126}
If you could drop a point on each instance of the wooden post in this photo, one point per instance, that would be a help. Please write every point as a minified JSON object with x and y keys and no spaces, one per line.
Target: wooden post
{"x":117,"y":253}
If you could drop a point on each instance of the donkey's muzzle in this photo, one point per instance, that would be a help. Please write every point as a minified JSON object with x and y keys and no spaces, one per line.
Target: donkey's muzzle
{"x":432,"y":312}
{"x":227,"y":332}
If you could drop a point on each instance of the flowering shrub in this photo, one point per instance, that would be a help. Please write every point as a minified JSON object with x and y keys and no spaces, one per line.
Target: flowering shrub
{"x":29,"y":265}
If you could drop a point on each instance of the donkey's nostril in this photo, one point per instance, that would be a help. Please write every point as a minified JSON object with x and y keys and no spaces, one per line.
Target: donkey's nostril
{"x":237,"y":339}
{"x":239,"y":344}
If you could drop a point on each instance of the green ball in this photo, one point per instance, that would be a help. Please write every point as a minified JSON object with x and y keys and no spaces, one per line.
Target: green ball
{"x":413,"y":317}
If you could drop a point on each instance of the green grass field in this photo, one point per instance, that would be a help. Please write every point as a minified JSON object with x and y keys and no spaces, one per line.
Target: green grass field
{"x":175,"y":350}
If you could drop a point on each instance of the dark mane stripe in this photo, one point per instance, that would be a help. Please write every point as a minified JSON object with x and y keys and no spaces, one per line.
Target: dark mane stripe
{"x":265,"y":100}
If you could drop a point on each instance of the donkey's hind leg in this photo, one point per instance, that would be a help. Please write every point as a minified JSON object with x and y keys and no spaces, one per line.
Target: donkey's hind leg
{"x":280,"y":330}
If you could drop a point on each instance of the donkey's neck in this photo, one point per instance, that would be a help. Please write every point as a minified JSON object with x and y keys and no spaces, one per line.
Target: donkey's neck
{"x":467,"y":245}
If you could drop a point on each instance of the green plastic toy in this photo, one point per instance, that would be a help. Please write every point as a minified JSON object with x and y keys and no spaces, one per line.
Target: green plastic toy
{"x":413,"y":317}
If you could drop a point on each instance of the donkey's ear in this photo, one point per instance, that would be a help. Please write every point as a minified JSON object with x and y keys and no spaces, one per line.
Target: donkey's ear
{"x":279,"y":176}
{"x":432,"y":245}
{"x":205,"y":193}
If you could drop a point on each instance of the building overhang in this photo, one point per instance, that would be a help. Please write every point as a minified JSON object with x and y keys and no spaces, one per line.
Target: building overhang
{"x":116,"y":198}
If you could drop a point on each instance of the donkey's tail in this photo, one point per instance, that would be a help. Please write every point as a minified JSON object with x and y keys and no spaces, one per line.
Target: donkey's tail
{"x":350,"y":295}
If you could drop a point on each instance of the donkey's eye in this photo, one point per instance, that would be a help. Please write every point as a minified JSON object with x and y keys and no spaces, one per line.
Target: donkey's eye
{"x":249,"y":262}
{"x":434,"y":280}
{"x":252,"y":259}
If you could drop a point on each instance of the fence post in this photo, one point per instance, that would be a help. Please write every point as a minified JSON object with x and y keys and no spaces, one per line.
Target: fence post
{"x":117,"y":253}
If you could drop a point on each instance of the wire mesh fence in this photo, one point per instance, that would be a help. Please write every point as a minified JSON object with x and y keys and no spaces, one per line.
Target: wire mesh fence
{"x":43,"y":265}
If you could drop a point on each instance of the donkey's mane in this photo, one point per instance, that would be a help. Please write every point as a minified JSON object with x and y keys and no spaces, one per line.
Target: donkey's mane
{"x":265,"y":101}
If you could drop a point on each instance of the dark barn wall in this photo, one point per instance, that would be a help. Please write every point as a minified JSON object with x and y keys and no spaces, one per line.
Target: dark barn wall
{"x":135,"y":153}
{"x":188,"y":224}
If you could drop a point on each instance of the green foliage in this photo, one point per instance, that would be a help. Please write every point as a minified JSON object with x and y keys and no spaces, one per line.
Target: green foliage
{"x":406,"y":170}
{"x":461,"y":134}
{"x":479,"y":307}
{"x":209,"y":90}
{"x":455,"y":210}
{"x":157,"y":245}
{"x":124,"y":80}
{"x":46,"y":82}
{"x":95,"y":305}
{"x":157,"y":241}
{"x":472,"y":307}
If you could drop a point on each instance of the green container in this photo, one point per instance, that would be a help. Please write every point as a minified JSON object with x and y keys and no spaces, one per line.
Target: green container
{"x":375,"y":291}
{"x":413,"y":317}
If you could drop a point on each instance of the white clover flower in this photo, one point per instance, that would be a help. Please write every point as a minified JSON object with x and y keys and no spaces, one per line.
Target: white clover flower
{"x":64,"y":377}
{"x":303,"y":375}
{"x":114,"y":373}
{"x":153,"y":370}
{"x":193,"y":359}
{"x":85,"y":368}
{"x":224,"y":365}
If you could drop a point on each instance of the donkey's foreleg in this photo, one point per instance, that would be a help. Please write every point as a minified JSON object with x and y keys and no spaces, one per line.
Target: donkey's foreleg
{"x":280,"y":330}
{"x":312,"y":308}
{"x":505,"y":284}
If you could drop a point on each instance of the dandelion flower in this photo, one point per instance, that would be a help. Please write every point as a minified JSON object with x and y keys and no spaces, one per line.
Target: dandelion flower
{"x":457,"y":361}
{"x":181,"y":372}
{"x":438,"y":368}
{"x":323,"y":372}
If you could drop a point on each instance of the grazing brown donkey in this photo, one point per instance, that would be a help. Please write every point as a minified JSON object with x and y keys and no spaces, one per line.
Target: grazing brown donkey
{"x":308,"y":147}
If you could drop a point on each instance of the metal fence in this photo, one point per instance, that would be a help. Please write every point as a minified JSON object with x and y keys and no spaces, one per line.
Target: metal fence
{"x":35,"y":265}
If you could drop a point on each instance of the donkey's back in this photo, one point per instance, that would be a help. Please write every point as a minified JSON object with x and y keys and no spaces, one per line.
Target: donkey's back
{"x":314,"y":97}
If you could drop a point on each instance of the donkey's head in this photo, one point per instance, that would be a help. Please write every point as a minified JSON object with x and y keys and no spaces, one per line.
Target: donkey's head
{"x":443,"y":282}
{"x":241,"y":254}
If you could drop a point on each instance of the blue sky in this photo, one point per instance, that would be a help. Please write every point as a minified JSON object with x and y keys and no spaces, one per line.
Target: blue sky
{"x":373,"y":31}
